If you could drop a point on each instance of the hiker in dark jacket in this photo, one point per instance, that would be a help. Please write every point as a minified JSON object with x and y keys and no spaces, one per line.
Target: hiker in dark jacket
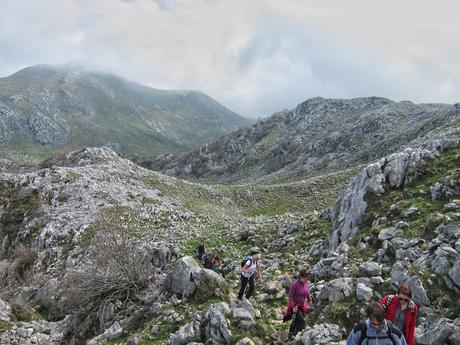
{"x":299,"y":292}
{"x":200,"y":250}
{"x":402,"y":311}
{"x":375,"y":330}
{"x":208,"y":261}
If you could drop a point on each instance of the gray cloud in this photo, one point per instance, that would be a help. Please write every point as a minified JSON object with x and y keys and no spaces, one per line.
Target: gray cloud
{"x":256,"y":57}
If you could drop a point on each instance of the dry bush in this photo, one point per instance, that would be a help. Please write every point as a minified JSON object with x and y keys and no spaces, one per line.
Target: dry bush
{"x":17,"y":269}
{"x":116,"y":272}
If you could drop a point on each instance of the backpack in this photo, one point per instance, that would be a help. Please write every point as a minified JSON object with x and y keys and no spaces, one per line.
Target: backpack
{"x":392,"y":329}
{"x":246,"y":260}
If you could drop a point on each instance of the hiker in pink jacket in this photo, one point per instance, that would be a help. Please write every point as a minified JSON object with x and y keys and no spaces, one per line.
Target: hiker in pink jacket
{"x":299,"y":292}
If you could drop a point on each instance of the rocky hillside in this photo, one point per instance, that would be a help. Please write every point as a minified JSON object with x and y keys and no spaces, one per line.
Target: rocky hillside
{"x":98,"y":250}
{"x":318,"y":136}
{"x":45,"y":109}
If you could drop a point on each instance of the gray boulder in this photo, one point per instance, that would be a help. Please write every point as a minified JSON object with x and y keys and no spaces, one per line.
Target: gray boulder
{"x":411,"y":212}
{"x":363,"y":293}
{"x":5,"y":310}
{"x":322,"y":334}
{"x":245,"y":317}
{"x":337,"y":289}
{"x":114,"y":332}
{"x":245,"y":341}
{"x":387,"y":234}
{"x":370,"y":269}
{"x":438,"y":331}
{"x":399,"y":169}
{"x":217,"y":326}
{"x":188,"y":333}
{"x":189,"y":278}
{"x":454,"y":273}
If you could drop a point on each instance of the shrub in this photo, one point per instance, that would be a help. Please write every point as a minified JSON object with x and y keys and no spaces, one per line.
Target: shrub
{"x":23,"y":312}
{"x":116,"y":272}
{"x":17,"y":269}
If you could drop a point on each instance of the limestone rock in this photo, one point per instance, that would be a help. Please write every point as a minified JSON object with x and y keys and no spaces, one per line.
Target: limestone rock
{"x":454,"y":273}
{"x":188,"y":333}
{"x":363,"y":293}
{"x":245,"y":341}
{"x":321,"y":334}
{"x":114,"y":332}
{"x":217,"y":326}
{"x":5,"y":310}
{"x":387,"y":234}
{"x":438,"y":331}
{"x":399,"y":168}
{"x":189,"y":278}
{"x":337,"y":289}
{"x":370,"y":269}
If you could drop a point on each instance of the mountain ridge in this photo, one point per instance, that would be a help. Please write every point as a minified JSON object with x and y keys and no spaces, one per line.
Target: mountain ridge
{"x":317,"y":136}
{"x":46,"y":108}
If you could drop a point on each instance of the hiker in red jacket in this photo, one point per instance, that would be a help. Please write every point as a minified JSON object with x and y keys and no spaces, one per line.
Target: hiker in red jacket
{"x":402,"y":311}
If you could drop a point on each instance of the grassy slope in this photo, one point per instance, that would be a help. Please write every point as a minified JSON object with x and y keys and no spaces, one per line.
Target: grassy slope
{"x":227,"y":210}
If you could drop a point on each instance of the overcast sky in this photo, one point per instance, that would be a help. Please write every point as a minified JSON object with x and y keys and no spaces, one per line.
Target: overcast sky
{"x":254,"y":56}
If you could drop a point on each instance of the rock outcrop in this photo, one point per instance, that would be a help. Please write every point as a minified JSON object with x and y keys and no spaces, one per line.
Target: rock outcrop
{"x":397,"y":170}
{"x":189,"y":279}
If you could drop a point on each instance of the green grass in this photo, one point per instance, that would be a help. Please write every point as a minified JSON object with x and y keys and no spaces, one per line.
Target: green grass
{"x":5,"y":326}
{"x":19,"y":206}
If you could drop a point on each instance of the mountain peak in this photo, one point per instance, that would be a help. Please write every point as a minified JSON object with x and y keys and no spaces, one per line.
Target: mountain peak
{"x":56,"y":107}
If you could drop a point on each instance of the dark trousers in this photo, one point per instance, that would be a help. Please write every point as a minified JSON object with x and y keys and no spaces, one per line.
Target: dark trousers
{"x":298,"y":324}
{"x":244,"y":283}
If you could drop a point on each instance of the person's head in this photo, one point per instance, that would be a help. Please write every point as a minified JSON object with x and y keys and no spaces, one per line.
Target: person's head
{"x":405,"y":293}
{"x":209,"y":256}
{"x":376,"y":314}
{"x":256,"y":257}
{"x":304,"y":274}
{"x":201,"y":241}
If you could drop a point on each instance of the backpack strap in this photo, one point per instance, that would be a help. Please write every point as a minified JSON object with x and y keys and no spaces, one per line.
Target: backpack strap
{"x":389,"y":300}
{"x":361,"y":326}
{"x":412,"y":306}
{"x":393,"y":331}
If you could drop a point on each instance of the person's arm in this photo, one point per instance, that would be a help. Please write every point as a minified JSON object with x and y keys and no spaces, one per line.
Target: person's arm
{"x":291,"y":294}
{"x":353,"y":337}
{"x":259,"y":272}
{"x":410,"y":332}
{"x":309,"y":300}
{"x":245,"y":268}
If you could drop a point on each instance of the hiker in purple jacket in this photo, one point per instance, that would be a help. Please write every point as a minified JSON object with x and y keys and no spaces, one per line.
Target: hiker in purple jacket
{"x":299,"y":292}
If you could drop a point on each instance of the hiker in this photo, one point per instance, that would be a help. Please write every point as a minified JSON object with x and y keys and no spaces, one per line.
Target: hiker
{"x":249,"y":270}
{"x":375,"y":330}
{"x":217,"y":266}
{"x":208,"y":261}
{"x":200,"y":250}
{"x":402,"y":311}
{"x":299,"y":292}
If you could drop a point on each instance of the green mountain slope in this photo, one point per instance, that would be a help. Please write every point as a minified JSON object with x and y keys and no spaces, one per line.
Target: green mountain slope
{"x":318,"y":136}
{"x":44,"y":109}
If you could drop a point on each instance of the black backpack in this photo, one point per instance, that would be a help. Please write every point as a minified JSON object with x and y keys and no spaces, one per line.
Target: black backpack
{"x":392,"y":329}
{"x":246,"y":260}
